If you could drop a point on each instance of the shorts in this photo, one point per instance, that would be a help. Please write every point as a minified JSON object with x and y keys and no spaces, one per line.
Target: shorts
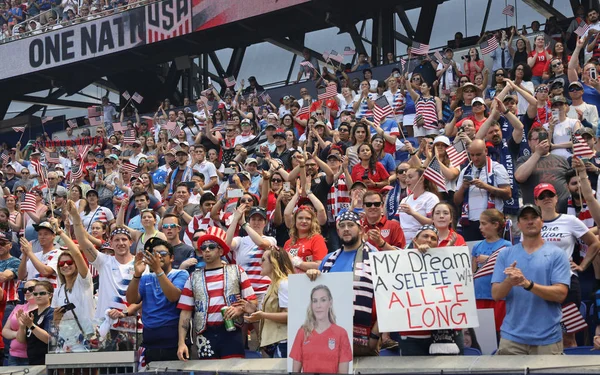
{"x":218,"y":343}
{"x":574,"y":293}
{"x":421,"y":131}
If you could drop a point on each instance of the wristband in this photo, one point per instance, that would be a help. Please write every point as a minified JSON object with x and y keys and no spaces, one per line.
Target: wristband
{"x":505,"y":112}
{"x":530,"y":286}
{"x":137,"y":277}
{"x":243,"y":225}
{"x":373,"y":336}
{"x":160,"y":274}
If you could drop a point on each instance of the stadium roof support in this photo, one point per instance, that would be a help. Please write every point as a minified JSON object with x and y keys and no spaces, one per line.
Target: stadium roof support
{"x":545,"y":9}
{"x":426,"y":20}
{"x":401,"y":12}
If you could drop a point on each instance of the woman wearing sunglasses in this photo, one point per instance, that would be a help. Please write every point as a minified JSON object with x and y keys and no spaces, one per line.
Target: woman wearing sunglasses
{"x":74,"y":324}
{"x":149,"y":220}
{"x":35,"y":325}
{"x":18,"y":350}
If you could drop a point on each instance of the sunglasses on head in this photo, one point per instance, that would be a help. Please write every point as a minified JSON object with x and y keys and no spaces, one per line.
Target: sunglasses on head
{"x":35,"y":294}
{"x":210,"y":246}
{"x":65,"y":262}
{"x":371,"y":204}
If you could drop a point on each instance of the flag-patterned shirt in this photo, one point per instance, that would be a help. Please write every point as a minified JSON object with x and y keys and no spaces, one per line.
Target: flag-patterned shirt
{"x":50,"y":259}
{"x":248,"y":256}
{"x":216,"y":294}
{"x":337,"y":198}
{"x":10,"y":286}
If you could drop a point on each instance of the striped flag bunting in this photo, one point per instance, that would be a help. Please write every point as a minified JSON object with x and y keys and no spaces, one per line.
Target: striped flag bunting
{"x":52,"y":157}
{"x":128,"y":167}
{"x":72,"y":123}
{"x":19,"y":129}
{"x":349,"y":51}
{"x":382,"y":109}
{"x":137,"y":98}
{"x":572,"y":321}
{"x":488,"y":268}
{"x":509,"y":10}
{"x":328,"y":92}
{"x":417,"y":48}
{"x":581,"y":148}
{"x":126,"y":95}
{"x":29,"y":204}
{"x":582,"y":29}
{"x":489,"y":46}
{"x":230,"y":81}
{"x":433,"y":173}
{"x":457,"y":153}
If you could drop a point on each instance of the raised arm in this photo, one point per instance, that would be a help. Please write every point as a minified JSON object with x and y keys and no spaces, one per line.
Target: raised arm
{"x":82,"y":266}
{"x":80,"y":234}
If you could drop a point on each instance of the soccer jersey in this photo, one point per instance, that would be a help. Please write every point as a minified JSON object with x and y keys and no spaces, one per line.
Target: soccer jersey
{"x":322,"y":352}
{"x":50,"y":259}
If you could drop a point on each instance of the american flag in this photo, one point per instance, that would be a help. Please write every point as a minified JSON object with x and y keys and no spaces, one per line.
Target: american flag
{"x":328,"y":92}
{"x":509,"y":11}
{"x":172,"y":128}
{"x":403,"y":63}
{"x":582,"y":29}
{"x":29,"y":204}
{"x":489,"y":46}
{"x":72,"y":123}
{"x":488,"y":268}
{"x":419,"y":48}
{"x":572,"y":321}
{"x":433,"y":173}
{"x":206,"y":92}
{"x":137,"y":98}
{"x":349,"y":51}
{"x":19,"y":129}
{"x":126,"y":95}
{"x":39,"y":170}
{"x":128,"y":167}
{"x":45,"y":119}
{"x":82,"y":151}
{"x":77,"y":172}
{"x":382,"y":109}
{"x":304,"y":109}
{"x":581,"y":148}
{"x":265,"y":96}
{"x":95,"y":121}
{"x":438,"y":56}
{"x":52,"y":157}
{"x":94,"y":111}
{"x":118,"y":127}
{"x":307,"y":64}
{"x":457,"y":153}
{"x":335,"y":56}
{"x":5,"y":157}
{"x":229,"y":81}
{"x":129,"y":136}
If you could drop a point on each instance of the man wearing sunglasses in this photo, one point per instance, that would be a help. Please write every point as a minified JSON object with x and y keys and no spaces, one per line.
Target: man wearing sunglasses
{"x":158,"y":292}
{"x":171,"y":228}
{"x":380,"y":232}
{"x":213,"y":340}
{"x":584,"y":112}
{"x":202,"y":220}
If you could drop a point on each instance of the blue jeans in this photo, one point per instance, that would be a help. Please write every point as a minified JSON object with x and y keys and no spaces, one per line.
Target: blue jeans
{"x":16,"y":361}
{"x":537,"y":80}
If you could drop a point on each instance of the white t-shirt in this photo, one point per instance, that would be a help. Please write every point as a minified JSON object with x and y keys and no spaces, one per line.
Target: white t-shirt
{"x":478,"y":198}
{"x":522,"y":102}
{"x":282,"y":294}
{"x":564,"y":231}
{"x":244,"y":138}
{"x":50,"y":259}
{"x":590,"y":112}
{"x":114,"y":278}
{"x":207,"y":168}
{"x":423,"y":205}
{"x":248,"y":256}
{"x":82,"y":296}
{"x":134,"y":159}
{"x":562,"y":134}
{"x":99,"y":214}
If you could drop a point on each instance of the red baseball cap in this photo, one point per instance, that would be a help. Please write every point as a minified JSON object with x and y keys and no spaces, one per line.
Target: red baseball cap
{"x":541,"y":188}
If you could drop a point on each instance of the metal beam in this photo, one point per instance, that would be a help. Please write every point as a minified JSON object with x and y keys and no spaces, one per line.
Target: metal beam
{"x":401,"y":12}
{"x":403,"y":38}
{"x":36,"y":107}
{"x":107,"y":85}
{"x":235,"y":62}
{"x":357,"y":39}
{"x":426,"y":19}
{"x":485,"y":18}
{"x":217,"y":63}
{"x":294,"y":47}
{"x":4,"y":108}
{"x":52,"y":101}
{"x":545,"y":9}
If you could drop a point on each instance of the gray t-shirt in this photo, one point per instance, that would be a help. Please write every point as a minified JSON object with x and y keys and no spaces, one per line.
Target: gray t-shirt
{"x":182,"y":252}
{"x":551,"y":169}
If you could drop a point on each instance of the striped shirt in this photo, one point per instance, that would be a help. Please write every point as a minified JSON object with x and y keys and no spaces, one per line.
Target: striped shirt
{"x":197,"y":222}
{"x":337,"y":198}
{"x":10,"y":286}
{"x":50,"y":259}
{"x":427,"y":108}
{"x":248,"y":256}
{"x":216,"y":292}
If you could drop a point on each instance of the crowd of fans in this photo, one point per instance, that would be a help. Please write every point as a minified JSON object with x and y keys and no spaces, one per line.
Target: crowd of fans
{"x":196,"y":215}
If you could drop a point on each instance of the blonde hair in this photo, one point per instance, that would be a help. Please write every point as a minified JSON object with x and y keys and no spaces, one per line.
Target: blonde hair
{"x":315,"y":228}
{"x":282,"y":267}
{"x":309,"y":323}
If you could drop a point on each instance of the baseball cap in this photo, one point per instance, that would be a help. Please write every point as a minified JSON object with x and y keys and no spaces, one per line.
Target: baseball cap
{"x":44,"y":225}
{"x":270,"y":126}
{"x":529,"y":207}
{"x":251,"y":160}
{"x":59,"y":166}
{"x":478,"y":100}
{"x":245,"y":175}
{"x":442,"y":139}
{"x":558,"y":99}
{"x":334,"y":156}
{"x":279,"y":133}
{"x":358,"y":184}
{"x":586,"y":131}
{"x":509,"y":97}
{"x":117,"y":147}
{"x":60,"y":193}
{"x":576,"y":83}
{"x":540,"y":188}
{"x":257,"y":211}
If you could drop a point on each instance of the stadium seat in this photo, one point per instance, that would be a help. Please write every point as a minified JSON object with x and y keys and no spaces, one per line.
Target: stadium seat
{"x":581,"y":350}
{"x":252,"y":354}
{"x":472,"y":351}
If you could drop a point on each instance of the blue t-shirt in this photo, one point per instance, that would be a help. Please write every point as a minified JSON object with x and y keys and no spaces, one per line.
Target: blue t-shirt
{"x":157,"y":311}
{"x":531,"y":320}
{"x":483,"y":285}
{"x":343,"y":263}
{"x":388,"y":163}
{"x":159,"y":176}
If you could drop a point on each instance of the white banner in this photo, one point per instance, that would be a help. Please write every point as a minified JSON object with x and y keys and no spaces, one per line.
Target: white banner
{"x":415,"y":291}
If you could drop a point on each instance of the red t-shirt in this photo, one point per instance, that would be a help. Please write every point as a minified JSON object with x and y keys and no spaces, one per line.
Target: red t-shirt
{"x":322,"y":352}
{"x":475,"y":122}
{"x":299,"y":128}
{"x":380,"y":174}
{"x":311,"y":249}
{"x":329,"y":103}
{"x":391,"y":232}
{"x":460,"y":241}
{"x":540,"y":63}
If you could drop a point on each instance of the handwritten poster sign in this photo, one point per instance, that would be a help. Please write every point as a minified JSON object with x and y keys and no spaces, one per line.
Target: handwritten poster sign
{"x":415,"y":291}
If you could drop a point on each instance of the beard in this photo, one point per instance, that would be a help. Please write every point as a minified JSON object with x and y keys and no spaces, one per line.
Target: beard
{"x":351,"y":241}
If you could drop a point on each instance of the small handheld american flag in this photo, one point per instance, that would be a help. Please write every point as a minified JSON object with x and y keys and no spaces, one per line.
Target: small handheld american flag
{"x":488,"y":268}
{"x":457,"y":153}
{"x":29,"y":204}
{"x":45,"y":119}
{"x":349,"y":51}
{"x":94,"y":111}
{"x":304,"y":109}
{"x":72,"y":123}
{"x":126,"y":95}
{"x":52,"y":157}
{"x":137,"y":98}
{"x":419,"y":48}
{"x":19,"y":129}
{"x":382,"y":109}
{"x":509,"y":10}
{"x":5,"y":157}
{"x":172,"y":128}
{"x":265,"y":96}
{"x":582,"y":29}
{"x":489,"y":46}
{"x":128,"y":167}
{"x":433,"y":173}
{"x":129,"y":136}
{"x":335,"y":56}
{"x":229,"y":81}
{"x":307,"y":64}
{"x":77,"y":172}
{"x":581,"y":149}
{"x":40,"y":171}
{"x":328,"y":92}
